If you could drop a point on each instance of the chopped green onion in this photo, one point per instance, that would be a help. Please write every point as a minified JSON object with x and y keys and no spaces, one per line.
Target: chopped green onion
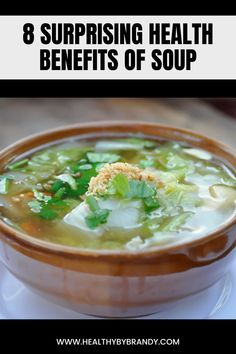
{"x":60,"y":193}
{"x":56,"y":186}
{"x":92,"y":203}
{"x":7,"y":176}
{"x":68,"y":179}
{"x":18,"y":164}
{"x":151,"y":203}
{"x":57,"y":203}
{"x":4,"y":184}
{"x":47,"y":214}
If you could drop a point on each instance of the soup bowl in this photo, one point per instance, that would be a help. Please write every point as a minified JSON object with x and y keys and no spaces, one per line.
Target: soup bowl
{"x":117,"y":283}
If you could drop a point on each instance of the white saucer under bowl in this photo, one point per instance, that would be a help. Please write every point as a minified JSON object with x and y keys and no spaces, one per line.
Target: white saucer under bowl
{"x":17,"y":302}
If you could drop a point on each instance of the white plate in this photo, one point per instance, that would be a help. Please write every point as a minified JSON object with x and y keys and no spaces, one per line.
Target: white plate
{"x":20,"y":303}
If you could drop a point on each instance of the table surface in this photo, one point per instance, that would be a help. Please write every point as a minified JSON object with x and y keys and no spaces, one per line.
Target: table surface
{"x":20,"y":117}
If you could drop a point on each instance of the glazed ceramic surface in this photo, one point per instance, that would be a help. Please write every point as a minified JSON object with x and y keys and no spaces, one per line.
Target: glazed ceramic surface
{"x":118,"y":283}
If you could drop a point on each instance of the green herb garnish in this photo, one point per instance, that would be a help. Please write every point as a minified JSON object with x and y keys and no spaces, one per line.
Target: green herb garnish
{"x":57,"y":203}
{"x":41,"y":196}
{"x":68,"y":179}
{"x":18,"y":164}
{"x":47,"y":207}
{"x":92,"y":203}
{"x":151,"y":203}
{"x":5,"y":184}
{"x":60,"y":193}
{"x":47,"y":213}
{"x":95,"y":157}
{"x":35,"y":206}
{"x":56,"y":186}
{"x":140,"y":189}
{"x":86,"y":172}
{"x":98,"y":216}
{"x":146,"y":163}
{"x":121,"y":184}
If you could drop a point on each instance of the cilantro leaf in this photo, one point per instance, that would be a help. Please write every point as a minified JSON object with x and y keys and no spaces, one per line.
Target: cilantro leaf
{"x":140,"y":189}
{"x":97,"y":218}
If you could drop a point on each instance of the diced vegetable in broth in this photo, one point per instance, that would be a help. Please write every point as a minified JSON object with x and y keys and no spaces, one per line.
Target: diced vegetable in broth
{"x":118,"y":193}
{"x":201,"y":154}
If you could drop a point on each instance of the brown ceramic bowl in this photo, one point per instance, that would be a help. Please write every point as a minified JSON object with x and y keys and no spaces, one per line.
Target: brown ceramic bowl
{"x":118,"y":283}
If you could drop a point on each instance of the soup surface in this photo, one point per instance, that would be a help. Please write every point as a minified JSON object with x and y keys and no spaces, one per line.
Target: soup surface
{"x":117,"y":193}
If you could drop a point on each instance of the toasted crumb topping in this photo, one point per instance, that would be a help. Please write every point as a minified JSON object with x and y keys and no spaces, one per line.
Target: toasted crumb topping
{"x":98,"y":184}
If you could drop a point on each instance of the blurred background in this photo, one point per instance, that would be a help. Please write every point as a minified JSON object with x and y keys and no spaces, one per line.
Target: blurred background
{"x":20,"y":117}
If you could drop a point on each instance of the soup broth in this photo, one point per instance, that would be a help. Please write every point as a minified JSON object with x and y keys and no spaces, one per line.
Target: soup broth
{"x":117,"y":193}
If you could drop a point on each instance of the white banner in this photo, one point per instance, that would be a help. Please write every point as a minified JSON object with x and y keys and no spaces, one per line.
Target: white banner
{"x":117,"y":47}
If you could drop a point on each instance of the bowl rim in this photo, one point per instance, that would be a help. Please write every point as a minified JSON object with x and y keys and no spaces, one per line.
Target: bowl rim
{"x":8,"y":232}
